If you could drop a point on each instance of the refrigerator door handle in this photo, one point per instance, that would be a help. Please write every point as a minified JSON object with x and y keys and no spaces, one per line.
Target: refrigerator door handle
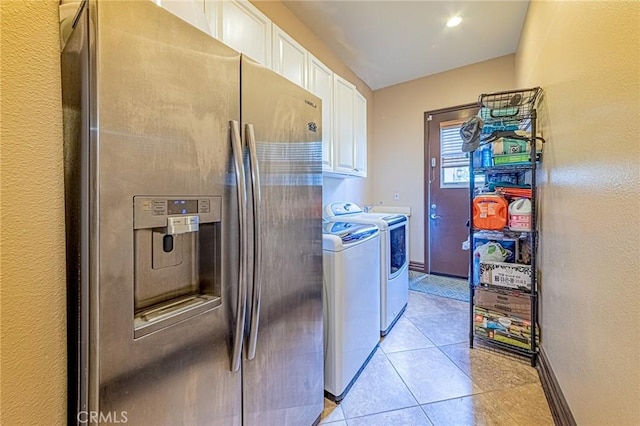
{"x":257,"y":242}
{"x":241,"y":307}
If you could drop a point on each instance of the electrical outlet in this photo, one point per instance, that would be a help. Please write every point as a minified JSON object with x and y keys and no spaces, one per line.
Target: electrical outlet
{"x":396,"y":195}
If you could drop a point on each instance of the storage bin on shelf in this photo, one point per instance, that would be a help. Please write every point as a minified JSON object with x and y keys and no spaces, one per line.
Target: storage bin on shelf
{"x":502,"y":178}
{"x":515,"y":159}
{"x":509,"y":146}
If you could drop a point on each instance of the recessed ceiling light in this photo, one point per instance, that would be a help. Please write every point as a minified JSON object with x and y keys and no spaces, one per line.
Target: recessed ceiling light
{"x":454,"y":21}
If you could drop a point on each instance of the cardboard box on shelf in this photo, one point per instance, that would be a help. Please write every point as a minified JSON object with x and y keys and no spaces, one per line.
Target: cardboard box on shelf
{"x":514,"y":304}
{"x":510,"y":275}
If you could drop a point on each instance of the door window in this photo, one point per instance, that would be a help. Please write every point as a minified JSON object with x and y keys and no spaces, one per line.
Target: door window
{"x":454,"y":164}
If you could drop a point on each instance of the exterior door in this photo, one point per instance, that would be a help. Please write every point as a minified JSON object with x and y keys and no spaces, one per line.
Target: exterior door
{"x":447,"y":195}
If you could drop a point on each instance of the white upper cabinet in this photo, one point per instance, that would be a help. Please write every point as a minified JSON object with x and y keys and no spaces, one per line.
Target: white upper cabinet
{"x":349,"y":129}
{"x":246,"y":29}
{"x":213,"y":13}
{"x":289,"y":57}
{"x":191,"y":11}
{"x":320,"y":83}
{"x":360,"y":134}
{"x":343,"y":128}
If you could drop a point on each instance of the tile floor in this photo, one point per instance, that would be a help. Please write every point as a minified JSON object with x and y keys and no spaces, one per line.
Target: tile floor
{"x":424,"y":373}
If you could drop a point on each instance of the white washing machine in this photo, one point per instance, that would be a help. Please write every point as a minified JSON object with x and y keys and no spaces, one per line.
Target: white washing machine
{"x":394,"y":256}
{"x":351,"y":300}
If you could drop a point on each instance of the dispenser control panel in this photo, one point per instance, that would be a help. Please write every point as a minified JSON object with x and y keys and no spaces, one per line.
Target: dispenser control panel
{"x":153,"y":212}
{"x":182,"y":206}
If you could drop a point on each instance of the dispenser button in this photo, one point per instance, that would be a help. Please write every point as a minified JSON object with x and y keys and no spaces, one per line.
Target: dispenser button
{"x":159,"y":207}
{"x":204,"y":206}
{"x":182,"y":225}
{"x":176,"y":221}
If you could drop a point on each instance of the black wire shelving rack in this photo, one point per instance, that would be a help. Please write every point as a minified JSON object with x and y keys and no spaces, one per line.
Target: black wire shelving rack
{"x":508,"y":113}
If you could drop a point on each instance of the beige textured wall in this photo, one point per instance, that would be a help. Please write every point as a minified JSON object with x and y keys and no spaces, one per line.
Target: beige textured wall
{"x":396,"y":156}
{"x":32,"y":241}
{"x":586,"y":56}
{"x":334,"y":189}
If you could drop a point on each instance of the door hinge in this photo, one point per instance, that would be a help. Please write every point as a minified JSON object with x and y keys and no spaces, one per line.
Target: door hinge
{"x":430,"y":117}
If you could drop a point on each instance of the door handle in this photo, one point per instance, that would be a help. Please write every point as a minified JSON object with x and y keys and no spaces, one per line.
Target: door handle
{"x":257,"y":242}
{"x":434,"y":216}
{"x":241,"y":305}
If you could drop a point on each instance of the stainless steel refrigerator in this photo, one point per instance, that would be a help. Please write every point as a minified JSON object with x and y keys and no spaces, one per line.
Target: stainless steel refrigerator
{"x":193,"y":197}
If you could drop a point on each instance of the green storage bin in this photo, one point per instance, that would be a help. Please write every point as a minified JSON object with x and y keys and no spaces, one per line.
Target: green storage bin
{"x":511,"y":159}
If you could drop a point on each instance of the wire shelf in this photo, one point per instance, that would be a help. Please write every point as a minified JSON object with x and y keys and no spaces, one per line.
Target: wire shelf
{"x":499,"y":289}
{"x":503,"y":168}
{"x":510,"y":110}
{"x":505,"y":346}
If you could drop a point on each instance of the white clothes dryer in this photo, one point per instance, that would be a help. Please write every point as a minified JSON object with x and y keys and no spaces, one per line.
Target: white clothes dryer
{"x":394,"y":256}
{"x":351,"y":300}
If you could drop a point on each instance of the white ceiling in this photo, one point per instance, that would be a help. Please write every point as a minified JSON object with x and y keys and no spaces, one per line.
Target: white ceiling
{"x":390,"y":42}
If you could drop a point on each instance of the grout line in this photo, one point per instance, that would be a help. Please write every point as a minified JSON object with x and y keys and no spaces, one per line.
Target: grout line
{"x":417,"y":404}
{"x":381,"y":412}
{"x":506,"y":387}
{"x":400,"y":377}
{"x":459,"y":368}
{"x":487,"y":394}
{"x":425,"y":413}
{"x":414,"y":397}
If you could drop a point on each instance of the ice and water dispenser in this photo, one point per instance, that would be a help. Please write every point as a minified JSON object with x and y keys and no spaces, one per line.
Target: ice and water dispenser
{"x":177,"y":259}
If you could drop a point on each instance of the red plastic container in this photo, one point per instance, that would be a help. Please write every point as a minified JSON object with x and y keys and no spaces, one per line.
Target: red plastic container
{"x":490,"y":212}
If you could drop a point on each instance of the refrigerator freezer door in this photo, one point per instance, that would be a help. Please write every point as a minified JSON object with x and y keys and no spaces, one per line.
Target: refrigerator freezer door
{"x":161,"y":96}
{"x":283,"y":384}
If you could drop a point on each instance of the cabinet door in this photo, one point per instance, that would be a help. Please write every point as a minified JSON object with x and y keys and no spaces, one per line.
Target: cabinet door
{"x":191,"y":11}
{"x":343,"y":114}
{"x":289,"y":57}
{"x":360,"y":134}
{"x":247,"y":30}
{"x":320,"y":83}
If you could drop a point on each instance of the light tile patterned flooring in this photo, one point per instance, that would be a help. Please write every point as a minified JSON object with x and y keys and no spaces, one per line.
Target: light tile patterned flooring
{"x":424,"y":373}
